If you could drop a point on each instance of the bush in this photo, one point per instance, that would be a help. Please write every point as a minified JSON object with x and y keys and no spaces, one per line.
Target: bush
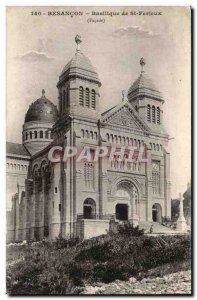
{"x":65,"y":266}
{"x":128,"y":229}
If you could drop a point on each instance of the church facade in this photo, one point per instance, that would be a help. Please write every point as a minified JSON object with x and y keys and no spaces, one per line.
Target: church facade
{"x":83,"y":198}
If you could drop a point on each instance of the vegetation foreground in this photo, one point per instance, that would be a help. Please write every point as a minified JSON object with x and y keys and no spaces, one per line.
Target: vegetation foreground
{"x":67,"y":266}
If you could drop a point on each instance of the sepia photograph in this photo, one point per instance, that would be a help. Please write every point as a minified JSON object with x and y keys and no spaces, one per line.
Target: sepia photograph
{"x":98,"y":150}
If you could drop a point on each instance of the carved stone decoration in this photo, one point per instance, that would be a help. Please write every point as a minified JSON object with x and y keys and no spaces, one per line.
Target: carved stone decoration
{"x":124,"y":118}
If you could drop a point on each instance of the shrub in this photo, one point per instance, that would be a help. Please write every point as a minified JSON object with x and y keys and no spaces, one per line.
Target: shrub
{"x":128,"y":229}
{"x":59,"y":267}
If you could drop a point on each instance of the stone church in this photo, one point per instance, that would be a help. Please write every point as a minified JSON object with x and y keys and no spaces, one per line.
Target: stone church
{"x":71,"y":198}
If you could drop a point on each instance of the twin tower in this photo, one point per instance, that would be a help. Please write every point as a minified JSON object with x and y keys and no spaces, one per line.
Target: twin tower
{"x":79,"y":97}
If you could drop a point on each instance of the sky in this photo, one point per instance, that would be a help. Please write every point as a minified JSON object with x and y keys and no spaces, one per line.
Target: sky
{"x":39,"y":46}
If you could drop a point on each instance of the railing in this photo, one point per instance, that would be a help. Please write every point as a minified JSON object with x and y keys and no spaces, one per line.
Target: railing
{"x":96,"y":217}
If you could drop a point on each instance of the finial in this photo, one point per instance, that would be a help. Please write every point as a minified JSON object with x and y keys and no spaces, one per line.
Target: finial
{"x":142,"y":63}
{"x":43,"y":93}
{"x":78,"y":41}
{"x":124,"y":95}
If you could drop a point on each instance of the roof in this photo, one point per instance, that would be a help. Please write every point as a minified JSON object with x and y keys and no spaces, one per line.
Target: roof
{"x":110,"y":113}
{"x":16,"y":149}
{"x":80,"y":65}
{"x":144,"y":86}
{"x":42,"y":110}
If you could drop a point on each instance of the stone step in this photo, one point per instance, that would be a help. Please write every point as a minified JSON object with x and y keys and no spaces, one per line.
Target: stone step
{"x":157,"y":228}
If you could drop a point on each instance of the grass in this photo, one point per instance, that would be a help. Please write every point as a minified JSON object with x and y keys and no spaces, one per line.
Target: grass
{"x":64,"y":267}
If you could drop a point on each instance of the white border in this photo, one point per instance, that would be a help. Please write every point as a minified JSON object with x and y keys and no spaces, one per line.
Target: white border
{"x":3,"y":5}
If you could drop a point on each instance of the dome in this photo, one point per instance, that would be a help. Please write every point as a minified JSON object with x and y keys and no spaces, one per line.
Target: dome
{"x":80,"y":66}
{"x":42,"y":110}
{"x":144,"y":86}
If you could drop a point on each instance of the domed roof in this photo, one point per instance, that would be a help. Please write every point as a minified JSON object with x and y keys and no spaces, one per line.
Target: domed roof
{"x":42,"y":110}
{"x":80,"y":66}
{"x":144,"y":86}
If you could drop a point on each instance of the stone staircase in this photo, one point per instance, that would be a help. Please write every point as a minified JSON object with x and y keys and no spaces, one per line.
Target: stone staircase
{"x":157,"y":228}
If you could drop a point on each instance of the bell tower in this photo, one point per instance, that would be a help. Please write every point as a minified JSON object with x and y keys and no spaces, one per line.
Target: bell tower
{"x":78,"y":86}
{"x":147,"y":99}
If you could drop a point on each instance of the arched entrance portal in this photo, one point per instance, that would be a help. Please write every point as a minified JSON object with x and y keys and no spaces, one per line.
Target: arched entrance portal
{"x":127,"y":201}
{"x":89,"y":209}
{"x":157,"y":213}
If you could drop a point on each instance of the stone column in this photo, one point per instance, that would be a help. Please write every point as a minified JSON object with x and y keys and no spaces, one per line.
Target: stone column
{"x":28,"y":208}
{"x":181,"y":222}
{"x":149,"y":188}
{"x":167,"y":186}
{"x":135,"y":218}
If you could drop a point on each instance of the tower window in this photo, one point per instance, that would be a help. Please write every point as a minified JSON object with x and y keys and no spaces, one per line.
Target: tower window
{"x":148,"y":113}
{"x":30,"y":135}
{"x":153,"y":114}
{"x":87,"y":97}
{"x":158,"y":115}
{"x":41,"y":134}
{"x":46,"y":134}
{"x":35,"y":134}
{"x":93,"y":99}
{"x":81,"y":96}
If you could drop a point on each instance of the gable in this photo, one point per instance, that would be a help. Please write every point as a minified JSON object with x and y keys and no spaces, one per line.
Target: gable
{"x":124,"y":116}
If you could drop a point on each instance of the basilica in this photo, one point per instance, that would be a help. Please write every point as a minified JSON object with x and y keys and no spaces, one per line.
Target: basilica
{"x":83,"y":199}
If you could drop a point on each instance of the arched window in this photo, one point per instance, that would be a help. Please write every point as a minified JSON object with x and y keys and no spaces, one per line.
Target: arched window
{"x":82,"y":131}
{"x":35,"y":135}
{"x":64,"y":101}
{"x":67,"y":98}
{"x":89,"y":209}
{"x":148,"y":113}
{"x":93,"y":99}
{"x":30,"y":135}
{"x":87,"y":97}
{"x":107,"y":137}
{"x":81,"y":96}
{"x":51,"y":135}
{"x":46,"y":134}
{"x":87,"y":134}
{"x":158,"y":115}
{"x":89,"y":174}
{"x":41,"y":134}
{"x":91,"y":134}
{"x":60,"y":101}
{"x":26,"y":135}
{"x":153,"y":114}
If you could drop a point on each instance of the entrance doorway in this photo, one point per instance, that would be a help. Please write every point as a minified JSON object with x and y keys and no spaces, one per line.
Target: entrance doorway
{"x":157,"y":213}
{"x":122,"y":212}
{"x":89,"y":209}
